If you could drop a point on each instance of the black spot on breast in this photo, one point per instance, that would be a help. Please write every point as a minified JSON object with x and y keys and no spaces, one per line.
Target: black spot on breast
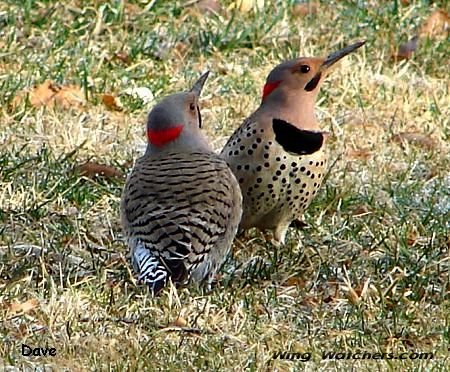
{"x":266,"y":156}
{"x":267,"y":165}
{"x":242,"y":147}
{"x":282,"y":166}
{"x":258,"y":168}
{"x":250,"y":152}
{"x":247,"y":167}
{"x":254,"y":146}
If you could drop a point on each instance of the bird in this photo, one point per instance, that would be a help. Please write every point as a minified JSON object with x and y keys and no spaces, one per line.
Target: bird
{"x":181,"y":204}
{"x":278,"y":153}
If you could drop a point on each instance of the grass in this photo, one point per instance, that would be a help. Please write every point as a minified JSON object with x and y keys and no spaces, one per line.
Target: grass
{"x":370,"y":271}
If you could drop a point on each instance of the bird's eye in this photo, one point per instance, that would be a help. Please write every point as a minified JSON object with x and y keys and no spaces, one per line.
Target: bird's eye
{"x":192,"y":106}
{"x":304,"y":69}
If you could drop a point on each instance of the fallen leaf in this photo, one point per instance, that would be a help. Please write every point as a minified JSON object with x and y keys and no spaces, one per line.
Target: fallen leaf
{"x":357,"y":153}
{"x":111,"y":102}
{"x":245,"y":6}
{"x":415,"y":138}
{"x":406,"y":50}
{"x":304,"y":9}
{"x":208,"y":6}
{"x":91,"y":169}
{"x":360,"y":210}
{"x":142,"y":93}
{"x":436,"y":25}
{"x":50,"y":94}
{"x":352,"y":296}
{"x":70,"y":96}
{"x":123,"y":57}
{"x":294,"y":282}
{"x":179,"y":322}
{"x":24,"y":307}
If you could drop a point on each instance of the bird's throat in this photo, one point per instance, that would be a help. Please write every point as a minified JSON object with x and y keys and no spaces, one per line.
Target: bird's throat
{"x":163,"y":136}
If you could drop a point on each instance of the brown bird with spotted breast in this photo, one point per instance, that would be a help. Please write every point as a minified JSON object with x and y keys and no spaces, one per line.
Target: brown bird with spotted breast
{"x":278,"y":153}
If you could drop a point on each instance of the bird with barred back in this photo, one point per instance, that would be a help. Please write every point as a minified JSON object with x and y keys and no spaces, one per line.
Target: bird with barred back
{"x":277,"y":154}
{"x":181,"y":204}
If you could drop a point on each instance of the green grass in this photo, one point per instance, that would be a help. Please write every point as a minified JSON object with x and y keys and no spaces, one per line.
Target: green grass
{"x":370,"y":271}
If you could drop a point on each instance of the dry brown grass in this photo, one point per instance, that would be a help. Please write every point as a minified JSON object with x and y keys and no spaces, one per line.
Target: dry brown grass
{"x":369,"y":272}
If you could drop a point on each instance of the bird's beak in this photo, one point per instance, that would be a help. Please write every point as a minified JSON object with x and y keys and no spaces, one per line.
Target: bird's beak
{"x":198,"y":86}
{"x":330,"y":61}
{"x":336,"y":56}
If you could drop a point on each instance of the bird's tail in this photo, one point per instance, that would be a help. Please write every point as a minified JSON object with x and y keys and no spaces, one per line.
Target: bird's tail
{"x":149,"y":268}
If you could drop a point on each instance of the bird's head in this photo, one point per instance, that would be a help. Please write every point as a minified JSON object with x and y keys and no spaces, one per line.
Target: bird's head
{"x":302,"y":76}
{"x":176,"y":119}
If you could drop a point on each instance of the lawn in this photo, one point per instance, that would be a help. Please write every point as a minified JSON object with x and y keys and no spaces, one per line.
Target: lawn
{"x":368,"y":272}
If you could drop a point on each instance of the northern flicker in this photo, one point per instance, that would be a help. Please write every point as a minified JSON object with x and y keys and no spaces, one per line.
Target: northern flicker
{"x":181,"y":204}
{"x":277,"y":154}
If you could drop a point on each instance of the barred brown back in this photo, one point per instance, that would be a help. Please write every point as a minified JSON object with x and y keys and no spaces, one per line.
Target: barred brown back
{"x":183,"y":209}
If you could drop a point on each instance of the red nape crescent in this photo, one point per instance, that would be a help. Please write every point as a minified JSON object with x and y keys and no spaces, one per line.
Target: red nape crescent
{"x":163,"y":136}
{"x":269,"y":88}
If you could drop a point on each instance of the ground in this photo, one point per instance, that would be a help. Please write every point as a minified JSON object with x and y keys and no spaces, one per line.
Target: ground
{"x":369,"y":271}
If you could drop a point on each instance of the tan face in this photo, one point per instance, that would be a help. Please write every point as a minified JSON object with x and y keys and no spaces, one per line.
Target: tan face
{"x":306,"y":74}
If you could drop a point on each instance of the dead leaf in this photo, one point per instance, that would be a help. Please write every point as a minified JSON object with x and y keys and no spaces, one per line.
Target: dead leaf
{"x":415,"y":138}
{"x":436,"y":25}
{"x":357,"y":153}
{"x":24,"y":307}
{"x":406,"y":50}
{"x":244,"y":6}
{"x":304,"y":9}
{"x":50,"y":94}
{"x":179,"y":322}
{"x":91,"y":170}
{"x":123,"y":57}
{"x":208,"y":6}
{"x":142,"y":93}
{"x":352,"y":296}
{"x":111,"y":102}
{"x":294,"y":282}
{"x":70,"y":96}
